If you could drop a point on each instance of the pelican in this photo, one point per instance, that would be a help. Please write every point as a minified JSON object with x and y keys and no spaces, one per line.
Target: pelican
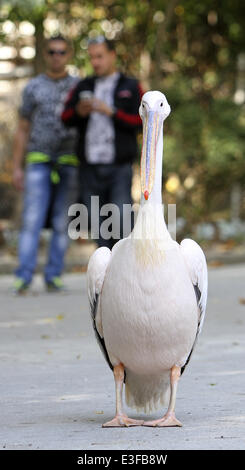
{"x":148,"y":294}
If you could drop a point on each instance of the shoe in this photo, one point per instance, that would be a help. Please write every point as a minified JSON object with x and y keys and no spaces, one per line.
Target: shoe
{"x":20,"y":286}
{"x":55,"y":285}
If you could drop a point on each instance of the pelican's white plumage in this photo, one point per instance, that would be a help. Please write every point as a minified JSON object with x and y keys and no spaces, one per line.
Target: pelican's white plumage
{"x":148,"y":295}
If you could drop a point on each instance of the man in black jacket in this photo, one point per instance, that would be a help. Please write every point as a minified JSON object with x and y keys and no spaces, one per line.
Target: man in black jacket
{"x":104,"y":107}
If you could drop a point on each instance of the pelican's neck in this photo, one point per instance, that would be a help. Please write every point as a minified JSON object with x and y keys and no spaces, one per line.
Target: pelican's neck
{"x":150,"y":222}
{"x":155,"y":197}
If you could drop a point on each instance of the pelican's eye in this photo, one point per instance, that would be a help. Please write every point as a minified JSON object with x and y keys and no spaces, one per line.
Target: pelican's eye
{"x":161,"y":104}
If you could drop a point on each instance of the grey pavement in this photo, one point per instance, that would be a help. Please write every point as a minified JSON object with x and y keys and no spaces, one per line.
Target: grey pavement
{"x":56,"y":389}
{"x":78,"y":255}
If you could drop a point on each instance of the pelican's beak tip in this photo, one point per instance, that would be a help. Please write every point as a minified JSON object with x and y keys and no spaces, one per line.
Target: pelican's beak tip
{"x":146,"y":194}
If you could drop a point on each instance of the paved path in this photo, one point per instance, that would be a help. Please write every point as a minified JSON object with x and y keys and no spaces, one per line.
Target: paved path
{"x":56,"y":389}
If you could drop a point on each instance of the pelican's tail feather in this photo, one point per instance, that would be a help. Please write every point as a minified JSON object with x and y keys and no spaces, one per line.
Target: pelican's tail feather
{"x":147,"y":392}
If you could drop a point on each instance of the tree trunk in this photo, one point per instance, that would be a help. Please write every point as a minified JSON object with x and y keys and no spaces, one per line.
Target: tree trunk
{"x":236,"y":201}
{"x":39,"y":63}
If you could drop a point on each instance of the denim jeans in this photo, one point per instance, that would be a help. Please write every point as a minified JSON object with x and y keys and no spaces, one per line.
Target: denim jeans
{"x":38,"y":194}
{"x":112,"y":183}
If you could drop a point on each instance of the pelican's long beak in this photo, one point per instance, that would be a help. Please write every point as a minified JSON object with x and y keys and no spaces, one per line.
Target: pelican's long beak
{"x":151,"y":129}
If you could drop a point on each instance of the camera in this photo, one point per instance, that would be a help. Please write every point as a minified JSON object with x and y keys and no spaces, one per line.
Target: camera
{"x":85,"y":95}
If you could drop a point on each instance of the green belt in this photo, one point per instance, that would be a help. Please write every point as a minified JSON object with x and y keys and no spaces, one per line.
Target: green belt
{"x":39,"y":157}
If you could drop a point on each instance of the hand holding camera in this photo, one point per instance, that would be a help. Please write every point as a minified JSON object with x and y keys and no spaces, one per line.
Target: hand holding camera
{"x":88,"y":103}
{"x":85,"y":103}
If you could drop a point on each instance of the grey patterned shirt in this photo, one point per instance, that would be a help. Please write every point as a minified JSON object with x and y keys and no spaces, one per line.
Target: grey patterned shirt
{"x":42,"y":104}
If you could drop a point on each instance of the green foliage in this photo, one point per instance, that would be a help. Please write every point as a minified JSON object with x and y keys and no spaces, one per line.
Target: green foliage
{"x":192,"y":49}
{"x":19,"y":10}
{"x":223,"y":141}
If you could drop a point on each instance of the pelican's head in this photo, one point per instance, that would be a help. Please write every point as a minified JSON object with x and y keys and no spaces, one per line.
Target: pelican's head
{"x":154,"y":109}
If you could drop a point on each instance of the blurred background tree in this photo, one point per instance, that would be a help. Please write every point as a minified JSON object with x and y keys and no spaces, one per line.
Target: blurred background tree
{"x":192,"y":51}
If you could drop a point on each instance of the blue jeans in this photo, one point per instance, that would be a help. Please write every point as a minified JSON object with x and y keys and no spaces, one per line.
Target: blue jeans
{"x":39,"y":192}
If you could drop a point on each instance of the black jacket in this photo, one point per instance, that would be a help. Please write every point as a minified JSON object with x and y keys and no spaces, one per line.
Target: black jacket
{"x":126,"y":119}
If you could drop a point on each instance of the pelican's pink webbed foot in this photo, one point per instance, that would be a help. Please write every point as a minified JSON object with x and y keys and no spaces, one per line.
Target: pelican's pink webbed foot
{"x":122,"y":421}
{"x":168,"y":420}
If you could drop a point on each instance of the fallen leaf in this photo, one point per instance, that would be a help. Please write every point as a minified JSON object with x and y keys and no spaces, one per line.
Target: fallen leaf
{"x":242,"y":300}
{"x":228,"y":245}
{"x":79,"y":269}
{"x":44,"y":321}
{"x":99,"y":412}
{"x":215,"y":263}
{"x":60,"y":317}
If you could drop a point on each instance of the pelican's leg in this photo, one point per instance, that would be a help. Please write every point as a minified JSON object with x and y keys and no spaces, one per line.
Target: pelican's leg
{"x":169,"y":418}
{"x":121,"y":419}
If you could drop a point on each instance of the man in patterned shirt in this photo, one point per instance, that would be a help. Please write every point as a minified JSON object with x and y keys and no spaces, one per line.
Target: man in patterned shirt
{"x":49,"y":182}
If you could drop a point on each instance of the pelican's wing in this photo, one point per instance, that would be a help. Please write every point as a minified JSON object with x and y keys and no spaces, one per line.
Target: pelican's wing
{"x":96,"y":271}
{"x":197,"y":268}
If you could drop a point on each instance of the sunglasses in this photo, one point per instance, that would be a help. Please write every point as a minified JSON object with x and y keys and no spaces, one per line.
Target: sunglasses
{"x":54,"y":51}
